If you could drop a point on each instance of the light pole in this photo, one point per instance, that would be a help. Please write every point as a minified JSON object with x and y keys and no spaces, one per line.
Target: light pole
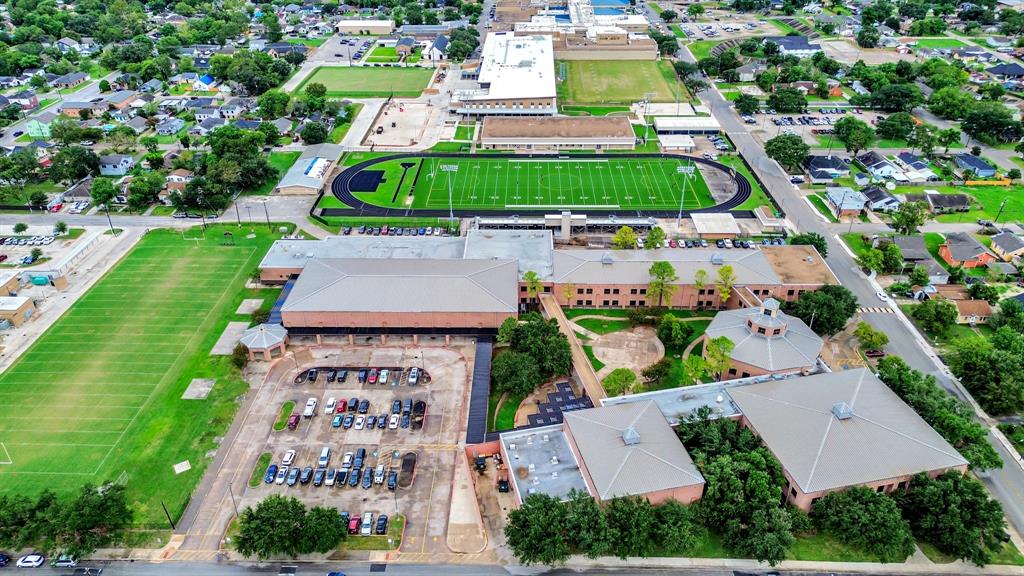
{"x":647,"y":107}
{"x":231,"y":492}
{"x":450,"y":169}
{"x":687,"y":172}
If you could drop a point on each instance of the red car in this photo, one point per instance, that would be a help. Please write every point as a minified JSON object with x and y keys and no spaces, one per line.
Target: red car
{"x":353,"y":524}
{"x":341,"y":406}
{"x":293,"y":421}
{"x":3,"y":257}
{"x":373,"y":376}
{"x":875,"y":353}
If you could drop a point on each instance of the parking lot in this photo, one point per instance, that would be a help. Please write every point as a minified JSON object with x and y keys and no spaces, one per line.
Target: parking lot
{"x":341,"y":49}
{"x":814,"y":127}
{"x":420,"y":452}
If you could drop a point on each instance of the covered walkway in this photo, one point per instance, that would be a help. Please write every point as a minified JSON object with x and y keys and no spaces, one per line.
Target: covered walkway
{"x":584,"y":371}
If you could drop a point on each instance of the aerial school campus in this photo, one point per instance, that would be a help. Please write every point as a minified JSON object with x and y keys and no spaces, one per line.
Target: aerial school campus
{"x":689,"y":287}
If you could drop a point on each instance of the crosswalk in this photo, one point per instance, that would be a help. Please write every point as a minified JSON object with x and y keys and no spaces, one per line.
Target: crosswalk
{"x":876,"y":310}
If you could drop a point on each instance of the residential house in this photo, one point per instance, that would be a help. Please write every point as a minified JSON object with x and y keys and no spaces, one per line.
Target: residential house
{"x":844,"y":201}
{"x":154,"y":85}
{"x":1007,"y":71}
{"x":205,"y":113}
{"x":438,"y":49}
{"x":26,"y":99}
{"x":138,"y":124}
{"x":116,"y":164}
{"x":999,"y":41}
{"x":204,"y":83}
{"x":823,"y":169}
{"x":279,"y":49}
{"x":972,"y":54}
{"x":170,"y":126}
{"x":77,"y":109}
{"x":877,"y":166}
{"x":81,"y":190}
{"x":1008,"y":246}
{"x":962,"y":249}
{"x":283,"y":125}
{"x":879,"y":199}
{"x":405,"y":46}
{"x":244,"y":124}
{"x":916,"y":168}
{"x":121,"y":99}
{"x":915,"y":253}
{"x":859,"y":88}
{"x":4,"y":102}
{"x":969,"y":163}
{"x":197,"y":103}
{"x":206,"y":126}
{"x":972,"y":312}
{"x":177,"y":179}
{"x":38,"y":126}
{"x":941,"y":203}
{"x":231,"y":110}
{"x":66,"y":45}
{"x":183,"y":78}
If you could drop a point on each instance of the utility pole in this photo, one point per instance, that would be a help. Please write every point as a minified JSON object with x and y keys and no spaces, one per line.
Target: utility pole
{"x":231,"y":492}
{"x":1000,"y":213}
{"x":450,"y":169}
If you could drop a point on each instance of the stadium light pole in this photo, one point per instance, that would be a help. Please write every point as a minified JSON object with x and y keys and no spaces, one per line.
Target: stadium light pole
{"x":450,"y":168}
{"x":647,"y":108}
{"x":687,"y":172}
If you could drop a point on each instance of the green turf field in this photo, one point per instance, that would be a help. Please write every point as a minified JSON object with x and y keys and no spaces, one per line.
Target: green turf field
{"x":617,"y":82}
{"x":98,"y":396}
{"x":501,"y":183}
{"x":370,"y":82}
{"x":940,"y":43}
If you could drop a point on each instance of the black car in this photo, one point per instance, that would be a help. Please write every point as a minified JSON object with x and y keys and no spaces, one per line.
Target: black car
{"x":357,"y":462}
{"x":318,"y":477}
{"x":371,"y":421}
{"x":342,"y":375}
{"x":331,"y":374}
{"x":405,"y":420}
{"x":382,"y":421}
{"x":4,"y":559}
{"x":341,"y":477}
{"x":311,"y":375}
{"x":307,"y":475}
{"x":382,"y":524}
{"x":392,"y":480}
{"x":396,"y":407}
{"x":353,"y":404}
{"x":367,"y":479}
{"x":361,"y":376}
{"x":364,"y":406}
{"x":353,"y":479}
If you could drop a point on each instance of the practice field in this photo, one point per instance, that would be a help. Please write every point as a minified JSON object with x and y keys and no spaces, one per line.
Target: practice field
{"x":500,"y":183}
{"x":617,"y":82}
{"x":98,"y":396}
{"x":370,"y":82}
{"x":940,"y":43}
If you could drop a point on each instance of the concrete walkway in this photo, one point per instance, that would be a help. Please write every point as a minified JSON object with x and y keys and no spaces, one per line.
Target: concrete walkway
{"x":581,"y":364}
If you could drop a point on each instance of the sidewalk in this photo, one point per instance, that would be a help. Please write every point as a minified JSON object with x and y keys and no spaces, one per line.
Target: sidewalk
{"x":582,"y":563}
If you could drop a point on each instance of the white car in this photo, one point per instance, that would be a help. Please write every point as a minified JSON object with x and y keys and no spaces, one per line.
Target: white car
{"x":310,"y":408}
{"x":289,"y":457}
{"x":282,"y":473}
{"x":414,"y":375}
{"x":393,"y":422}
{"x":31,"y":561}
{"x":360,"y":422}
{"x":346,"y":460}
{"x":383,"y":378}
{"x":329,"y":405}
{"x":882,"y":296}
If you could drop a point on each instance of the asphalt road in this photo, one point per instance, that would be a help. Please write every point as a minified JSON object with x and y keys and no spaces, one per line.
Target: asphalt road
{"x":88,"y":93}
{"x":1007,"y":483}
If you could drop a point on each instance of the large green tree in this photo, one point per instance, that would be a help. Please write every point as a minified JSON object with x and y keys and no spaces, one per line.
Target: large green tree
{"x":868,"y":520}
{"x":587,"y":525}
{"x":280,"y":525}
{"x":663,"y":281}
{"x":909,"y":217}
{"x":515,"y":373}
{"x":826,"y":310}
{"x":789,"y":150}
{"x":854,"y":133}
{"x":935,"y":316}
{"x":542,"y":340}
{"x":811,"y":239}
{"x":537,"y":531}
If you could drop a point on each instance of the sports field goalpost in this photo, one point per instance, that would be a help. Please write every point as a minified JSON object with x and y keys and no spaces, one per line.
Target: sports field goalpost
{"x":5,"y":456}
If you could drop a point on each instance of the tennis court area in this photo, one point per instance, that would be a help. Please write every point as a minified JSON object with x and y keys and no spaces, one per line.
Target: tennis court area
{"x":98,"y":396}
{"x":500,"y":183}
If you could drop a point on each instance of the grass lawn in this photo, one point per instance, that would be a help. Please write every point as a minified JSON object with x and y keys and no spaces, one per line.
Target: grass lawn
{"x":618,"y":82}
{"x":940,"y":43}
{"x":1008,"y":555}
{"x":341,"y":128}
{"x":597,"y":364}
{"x":464,"y":132}
{"x":45,"y":102}
{"x":503,"y":417}
{"x":598,"y":326}
{"x":987,"y":200}
{"x":282,"y":161}
{"x":822,"y":547}
{"x":819,"y":204}
{"x":593,"y":110}
{"x":163,"y":210}
{"x":677,"y":31}
{"x":259,"y":470}
{"x":396,"y":525}
{"x":307,"y":41}
{"x":122,"y":356}
{"x":74,"y":89}
{"x":758,"y":197}
{"x":855,"y":241}
{"x":702,"y":48}
{"x":282,"y":419}
{"x":366,"y":82}
{"x":782,"y":26}
{"x":506,"y":182}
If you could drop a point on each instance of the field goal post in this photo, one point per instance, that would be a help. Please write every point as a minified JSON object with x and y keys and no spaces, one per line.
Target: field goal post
{"x":122,"y":478}
{"x":5,"y":456}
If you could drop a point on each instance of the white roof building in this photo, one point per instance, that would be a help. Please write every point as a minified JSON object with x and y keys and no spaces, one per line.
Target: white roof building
{"x":517,"y":76}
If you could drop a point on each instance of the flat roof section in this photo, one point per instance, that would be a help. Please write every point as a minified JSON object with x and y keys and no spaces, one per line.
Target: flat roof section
{"x":517,"y":66}
{"x":797,"y":264}
{"x":685,"y":123}
{"x":676,"y":404}
{"x":540,"y":460}
{"x":557,"y":127}
{"x":12,"y":303}
{"x":715,"y":223}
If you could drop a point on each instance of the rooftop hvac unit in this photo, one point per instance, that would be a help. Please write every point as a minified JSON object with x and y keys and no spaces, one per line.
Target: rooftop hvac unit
{"x":531,"y":490}
{"x":546,"y":438}
{"x":554,"y":459}
{"x":554,"y":475}
{"x":529,"y":440}
{"x":512,"y":446}
{"x":842,"y":411}
{"x":531,"y":467}
{"x":719,"y":399}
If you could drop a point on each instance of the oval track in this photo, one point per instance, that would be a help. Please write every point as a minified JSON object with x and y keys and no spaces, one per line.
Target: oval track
{"x":341,"y":190}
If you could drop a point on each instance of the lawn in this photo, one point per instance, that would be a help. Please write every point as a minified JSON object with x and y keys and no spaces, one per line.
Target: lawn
{"x":367,"y":82}
{"x":464,"y":132}
{"x":389,"y":541}
{"x":121,"y":357}
{"x":282,"y":161}
{"x":701,"y":49}
{"x":282,"y":418}
{"x":758,"y":197}
{"x":259,"y":470}
{"x":341,"y":128}
{"x":503,"y":182}
{"x":987,"y":200}
{"x":599,"y":326}
{"x":503,"y":418}
{"x":618,"y":82}
{"x":593,"y":110}
{"x":819,"y":204}
{"x":597,"y":364}
{"x":315,"y":42}
{"x":940,"y":43}
{"x":388,"y":54}
{"x":782,"y":26}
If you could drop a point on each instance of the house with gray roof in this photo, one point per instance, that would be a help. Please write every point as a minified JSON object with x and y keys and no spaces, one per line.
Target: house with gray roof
{"x":766,"y":341}
{"x":915,"y":253}
{"x":962,"y":249}
{"x":630,"y":450}
{"x":1007,"y":246}
{"x":844,"y":201}
{"x":837,"y":430}
{"x":116,"y":164}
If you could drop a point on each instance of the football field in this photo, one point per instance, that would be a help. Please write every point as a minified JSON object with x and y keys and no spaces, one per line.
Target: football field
{"x":509,"y":183}
{"x":98,"y":396}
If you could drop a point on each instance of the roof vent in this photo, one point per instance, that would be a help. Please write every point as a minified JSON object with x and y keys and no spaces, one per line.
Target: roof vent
{"x":717,"y":259}
{"x":607,"y":259}
{"x":630,"y":436}
{"x":842,"y":411}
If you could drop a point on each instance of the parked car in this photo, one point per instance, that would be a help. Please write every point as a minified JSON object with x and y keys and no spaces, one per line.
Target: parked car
{"x":318,"y":477}
{"x":336,"y":422}
{"x":293,"y":421}
{"x":364,"y":406}
{"x":367,"y":526}
{"x":311,"y":375}
{"x":34,"y":560}
{"x":348,"y":421}
{"x":64,"y":561}
{"x":331,"y":402}
{"x":393,"y":422}
{"x":360,"y":422}
{"x":382,"y":525}
{"x":372,"y":379}
{"x":346,"y":460}
{"x":307,"y":475}
{"x":353,"y":524}
{"x":293,"y":476}
{"x":382,"y":421}
{"x":371,"y":422}
{"x":353,"y":404}
{"x":392,"y":480}
{"x":414,"y":375}
{"x":353,"y":477}
{"x":341,"y":406}
{"x":383,"y":376}
{"x":396,"y":407}
{"x":875,"y":353}
{"x":4,"y":560}
{"x":310,"y":408}
{"x":289,"y":458}
{"x":331,"y":475}
{"x":282,"y":475}
{"x":271,"y":474}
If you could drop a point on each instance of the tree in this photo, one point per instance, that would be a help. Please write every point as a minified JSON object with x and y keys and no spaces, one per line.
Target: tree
{"x":625,"y":238}
{"x":854,"y":133}
{"x":951,"y":418}
{"x":745,"y":103}
{"x":892,"y":258}
{"x":542,"y":340}
{"x":897,"y":97}
{"x":60,"y":228}
{"x":273,"y":527}
{"x":678,"y":532}
{"x":20,"y":227}
{"x":935,"y":316}
{"x":533,"y":284}
{"x":1013,"y":174}
{"x":811,"y":239}
{"x":991,"y":123}
{"x":587,"y":525}
{"x":919,"y":276}
{"x":909,"y":217}
{"x":674,"y":333}
{"x":700,"y":279}
{"x":515,"y":373}
{"x":826,"y":310}
{"x":868,"y":37}
{"x":655,"y":238}
{"x":718,"y":355}
{"x":65,"y":131}
{"x":322,"y":530}
{"x":787,"y":101}
{"x":695,"y":10}
{"x":789,"y":150}
{"x":987,"y":292}
{"x":725,"y":281}
{"x":663,"y":281}
{"x":869,"y":338}
{"x":536,"y":531}
{"x":668,"y":15}
{"x":870,"y":260}
{"x":992,"y":369}
{"x":955,"y":514}
{"x":619,"y":381}
{"x":272,"y":104}
{"x":992,"y":91}
{"x":314,"y":133}
{"x":868,"y":520}
{"x":947,"y":137}
{"x":896,"y":126}
{"x":506,"y":328}
{"x":73,"y":163}
{"x":631,"y":520}
{"x":38,"y":198}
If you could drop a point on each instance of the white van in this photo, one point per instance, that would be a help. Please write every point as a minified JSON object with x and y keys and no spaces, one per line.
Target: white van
{"x":367,"y":528}
{"x":414,"y":375}
{"x":325,"y":457}
{"x":378,"y":474}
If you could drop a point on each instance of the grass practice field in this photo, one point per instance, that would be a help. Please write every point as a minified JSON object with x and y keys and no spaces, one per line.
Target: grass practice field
{"x":499,"y":183}
{"x":617,"y":82}
{"x":370,"y":82}
{"x":940,"y":43}
{"x":98,"y":396}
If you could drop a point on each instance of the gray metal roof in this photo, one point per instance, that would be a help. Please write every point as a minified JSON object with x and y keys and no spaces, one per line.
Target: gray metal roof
{"x":883,"y":439}
{"x":531,"y":248}
{"x":300,"y":174}
{"x":264,"y":336}
{"x":797,"y":347}
{"x":425,"y":285}
{"x":629,"y":449}
{"x":633,"y":266}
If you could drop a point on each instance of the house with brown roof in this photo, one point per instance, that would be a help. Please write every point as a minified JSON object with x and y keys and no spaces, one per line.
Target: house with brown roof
{"x":972,"y":311}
